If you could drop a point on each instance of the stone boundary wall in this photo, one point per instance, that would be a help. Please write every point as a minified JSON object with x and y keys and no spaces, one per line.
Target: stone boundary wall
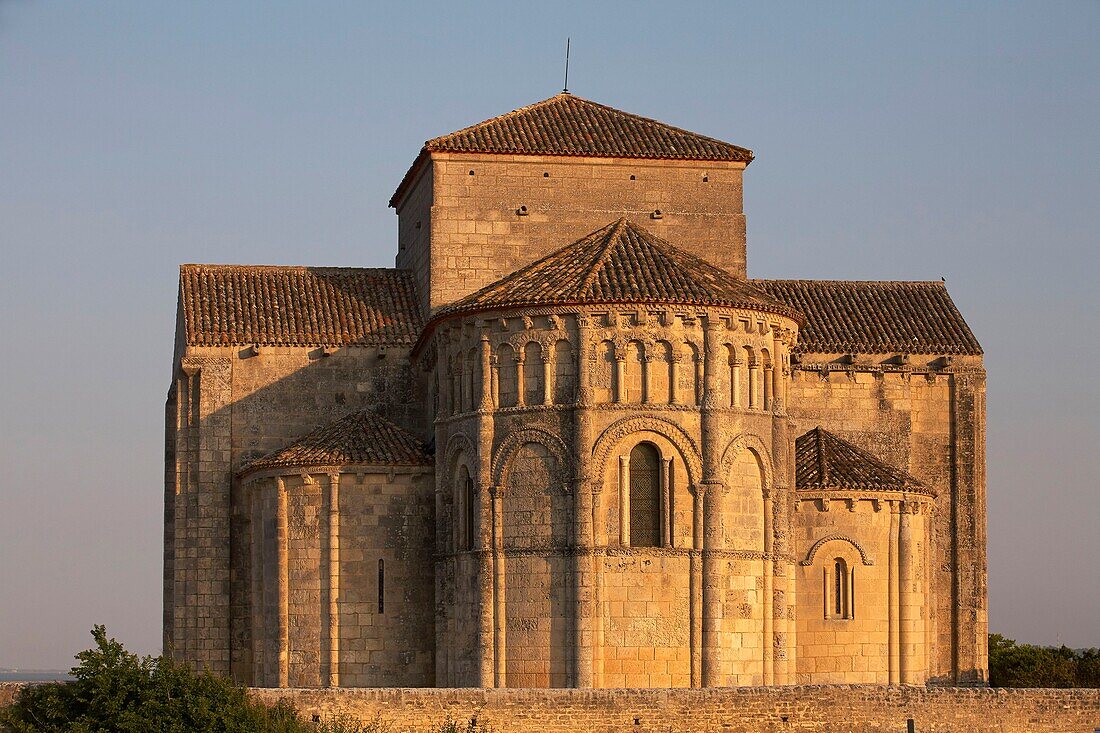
{"x":820,"y":709}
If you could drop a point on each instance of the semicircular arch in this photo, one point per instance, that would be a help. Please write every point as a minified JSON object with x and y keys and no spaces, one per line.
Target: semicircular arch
{"x":747,"y":441}
{"x":670,"y":431}
{"x":863,"y":556}
{"x":456,"y":445}
{"x":508,"y":448}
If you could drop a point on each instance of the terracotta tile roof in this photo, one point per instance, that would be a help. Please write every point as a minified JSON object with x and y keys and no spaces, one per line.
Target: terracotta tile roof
{"x":568,"y":125}
{"x":824,"y":461}
{"x":620,"y":263}
{"x":361,"y":438}
{"x":875,"y":317}
{"x":298,"y":306}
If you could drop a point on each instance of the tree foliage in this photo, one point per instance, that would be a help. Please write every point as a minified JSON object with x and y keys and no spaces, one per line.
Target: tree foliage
{"x":118,"y":692}
{"x":1025,"y":665}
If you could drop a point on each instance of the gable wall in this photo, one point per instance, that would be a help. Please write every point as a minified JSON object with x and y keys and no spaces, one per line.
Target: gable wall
{"x":233,"y":408}
{"x":929,"y":422}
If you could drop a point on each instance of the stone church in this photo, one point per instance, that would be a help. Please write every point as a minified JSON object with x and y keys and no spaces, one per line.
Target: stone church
{"x":567,"y":442}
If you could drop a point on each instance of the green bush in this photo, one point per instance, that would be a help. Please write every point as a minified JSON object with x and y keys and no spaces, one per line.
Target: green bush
{"x":1025,"y":665}
{"x":117,"y":692}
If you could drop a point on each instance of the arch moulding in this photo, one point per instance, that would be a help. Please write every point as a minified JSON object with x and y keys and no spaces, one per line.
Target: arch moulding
{"x":839,"y":538}
{"x":518,"y":439}
{"x":757,"y":446}
{"x":456,"y":444}
{"x":667,"y":429}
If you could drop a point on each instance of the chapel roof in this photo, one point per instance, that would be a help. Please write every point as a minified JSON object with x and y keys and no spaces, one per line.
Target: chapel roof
{"x":568,"y":125}
{"x":824,"y":461}
{"x":866,"y":317}
{"x":298,"y":306}
{"x":620,"y":263}
{"x":361,"y":438}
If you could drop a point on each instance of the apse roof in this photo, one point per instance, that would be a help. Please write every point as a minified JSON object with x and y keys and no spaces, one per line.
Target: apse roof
{"x":620,"y":263}
{"x":361,"y":438}
{"x":825,"y":461}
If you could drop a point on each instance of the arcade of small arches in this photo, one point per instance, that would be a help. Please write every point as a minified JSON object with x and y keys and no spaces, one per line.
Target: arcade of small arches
{"x":659,"y":366}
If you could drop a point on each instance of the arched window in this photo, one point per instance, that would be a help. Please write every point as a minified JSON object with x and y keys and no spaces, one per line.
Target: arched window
{"x":645,"y":496}
{"x":840,"y":588}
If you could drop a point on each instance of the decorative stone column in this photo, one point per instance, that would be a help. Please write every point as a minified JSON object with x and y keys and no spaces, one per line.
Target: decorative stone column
{"x":754,"y":382}
{"x":646,"y":365}
{"x":894,"y":662}
{"x":282,"y":584}
{"x":780,"y":645}
{"x":486,"y":575}
{"x":735,"y":378}
{"x":713,"y":540}
{"x":624,"y":501}
{"x":333,"y":610}
{"x":547,"y":377}
{"x":767,"y":566}
{"x":256,"y":529}
{"x":666,"y":503}
{"x":674,"y":396}
{"x":500,"y":611}
{"x":620,"y":376}
{"x":906,"y":616}
{"x":521,"y":387}
{"x":698,"y":495}
{"x":585,"y":594}
{"x":769,"y":387}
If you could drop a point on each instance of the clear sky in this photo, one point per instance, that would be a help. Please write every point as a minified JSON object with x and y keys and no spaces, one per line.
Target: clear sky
{"x":893,"y":141}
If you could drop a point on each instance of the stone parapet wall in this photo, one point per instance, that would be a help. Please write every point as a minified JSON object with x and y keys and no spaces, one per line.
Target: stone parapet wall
{"x":824,"y":709}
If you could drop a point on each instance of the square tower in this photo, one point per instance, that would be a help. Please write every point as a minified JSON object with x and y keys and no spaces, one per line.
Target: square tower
{"x":484,"y":201}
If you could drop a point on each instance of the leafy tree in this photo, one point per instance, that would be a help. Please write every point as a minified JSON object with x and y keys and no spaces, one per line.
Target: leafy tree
{"x":117,"y":692}
{"x":1025,"y":665}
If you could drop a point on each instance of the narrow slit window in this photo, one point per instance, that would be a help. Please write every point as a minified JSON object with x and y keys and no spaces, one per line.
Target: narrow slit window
{"x":469,"y":509}
{"x":381,"y":586}
{"x":840,"y":591}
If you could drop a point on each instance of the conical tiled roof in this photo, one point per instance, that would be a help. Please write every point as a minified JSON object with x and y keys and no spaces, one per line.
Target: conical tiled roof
{"x":363,"y":438}
{"x":566,"y":124}
{"x":620,"y":263}
{"x":824,"y":461}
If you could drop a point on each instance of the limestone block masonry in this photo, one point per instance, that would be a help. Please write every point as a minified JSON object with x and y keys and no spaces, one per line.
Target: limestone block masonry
{"x":807,"y":709}
{"x":567,"y":443}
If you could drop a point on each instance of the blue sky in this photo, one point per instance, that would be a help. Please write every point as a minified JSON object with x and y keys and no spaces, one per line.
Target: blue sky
{"x":893,"y":141}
